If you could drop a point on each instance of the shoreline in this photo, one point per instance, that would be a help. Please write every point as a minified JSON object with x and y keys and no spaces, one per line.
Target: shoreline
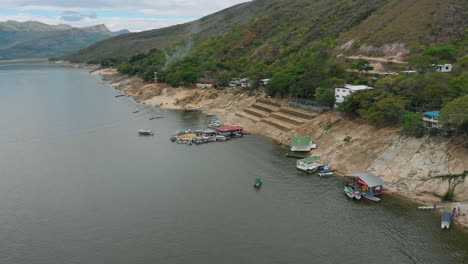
{"x":226,"y":105}
{"x":25,"y":60}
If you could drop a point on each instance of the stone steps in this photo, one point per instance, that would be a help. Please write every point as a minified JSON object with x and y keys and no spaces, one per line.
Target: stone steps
{"x":298,"y":113}
{"x":248,"y":116}
{"x":265,"y":107}
{"x":278,"y":124}
{"x":256,"y":112}
{"x":287,"y":118}
{"x":268,"y":102}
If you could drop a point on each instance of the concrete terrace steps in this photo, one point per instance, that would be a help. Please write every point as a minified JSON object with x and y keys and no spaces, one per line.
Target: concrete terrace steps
{"x":278,"y":124}
{"x":249,"y":116}
{"x":282,"y":116}
{"x":298,"y":113}
{"x":265,"y":107}
{"x":256,"y":112}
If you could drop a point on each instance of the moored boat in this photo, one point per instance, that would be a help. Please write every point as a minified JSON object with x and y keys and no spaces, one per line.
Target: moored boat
{"x":324,"y":173}
{"x":145,"y":132}
{"x":371,"y":196}
{"x":357,"y":194}
{"x":445,"y":220}
{"x":349,"y":191}
{"x":430,"y":207}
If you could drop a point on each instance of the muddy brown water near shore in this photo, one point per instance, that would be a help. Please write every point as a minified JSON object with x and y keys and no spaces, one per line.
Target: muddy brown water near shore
{"x":80,"y":186}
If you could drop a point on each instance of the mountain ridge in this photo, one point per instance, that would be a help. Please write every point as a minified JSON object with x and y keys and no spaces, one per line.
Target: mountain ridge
{"x":360,"y":27}
{"x":32,"y":39}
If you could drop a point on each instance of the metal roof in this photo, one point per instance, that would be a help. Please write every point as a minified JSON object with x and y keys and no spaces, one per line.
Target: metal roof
{"x":370,"y":179}
{"x":301,"y":141}
{"x":310,"y":159}
{"x":432,"y":113}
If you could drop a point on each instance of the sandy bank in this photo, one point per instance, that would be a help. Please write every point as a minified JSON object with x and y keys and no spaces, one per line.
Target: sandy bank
{"x":412,"y":168}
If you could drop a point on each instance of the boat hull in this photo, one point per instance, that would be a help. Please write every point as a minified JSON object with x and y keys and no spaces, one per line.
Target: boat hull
{"x":370,"y":197}
{"x":349,"y":192}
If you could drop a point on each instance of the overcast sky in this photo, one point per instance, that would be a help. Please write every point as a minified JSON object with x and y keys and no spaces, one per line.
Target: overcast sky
{"x":134,"y":15}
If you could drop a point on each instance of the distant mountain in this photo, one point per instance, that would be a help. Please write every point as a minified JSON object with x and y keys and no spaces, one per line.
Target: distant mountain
{"x":31,"y":39}
{"x":120,"y":32}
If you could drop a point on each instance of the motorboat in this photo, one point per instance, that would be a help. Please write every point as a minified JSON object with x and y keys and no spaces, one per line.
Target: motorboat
{"x":145,"y":132}
{"x":324,"y":173}
{"x":357,"y":194}
{"x":326,"y":167}
{"x":220,"y":138}
{"x":371,"y":196}
{"x":349,"y":191}
{"x":445,"y":220}
{"x":430,"y":207}
{"x":258,"y":183}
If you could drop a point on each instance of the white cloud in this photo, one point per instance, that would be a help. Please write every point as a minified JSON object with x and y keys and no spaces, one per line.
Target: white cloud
{"x":145,"y":14}
{"x":113,"y":23}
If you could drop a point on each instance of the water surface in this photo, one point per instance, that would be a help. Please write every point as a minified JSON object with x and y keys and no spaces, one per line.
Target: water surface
{"x":78,"y":185}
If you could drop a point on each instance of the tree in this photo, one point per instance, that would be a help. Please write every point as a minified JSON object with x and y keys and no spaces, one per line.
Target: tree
{"x":325,"y":96}
{"x":362,"y":66}
{"x":412,"y":123}
{"x":444,"y":52}
{"x":422,"y":63}
{"x":387,"y":109}
{"x":454,"y":115}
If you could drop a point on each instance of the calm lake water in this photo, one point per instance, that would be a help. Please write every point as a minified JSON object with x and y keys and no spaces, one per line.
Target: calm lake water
{"x":78,"y":185}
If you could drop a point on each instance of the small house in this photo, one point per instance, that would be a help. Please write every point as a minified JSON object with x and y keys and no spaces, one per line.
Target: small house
{"x":264,"y":82}
{"x":444,"y":67}
{"x":302,"y":144}
{"x":245,"y":82}
{"x":431,"y":119}
{"x":206,"y":83}
{"x":343,"y":92}
{"x":234,"y":82}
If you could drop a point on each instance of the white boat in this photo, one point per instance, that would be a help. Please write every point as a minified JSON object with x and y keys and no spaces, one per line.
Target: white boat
{"x":357,"y":195}
{"x":220,"y":138}
{"x":445,"y":220}
{"x":324,"y":173}
{"x":309,"y":165}
{"x":215,"y":124}
{"x":370,"y":196}
{"x":430,"y":207}
{"x":349,"y":191}
{"x":145,"y":132}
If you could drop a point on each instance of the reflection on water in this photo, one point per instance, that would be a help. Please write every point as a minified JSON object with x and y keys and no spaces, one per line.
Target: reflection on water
{"x":80,"y":186}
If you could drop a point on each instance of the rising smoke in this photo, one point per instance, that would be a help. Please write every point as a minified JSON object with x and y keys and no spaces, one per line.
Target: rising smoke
{"x":181,"y":51}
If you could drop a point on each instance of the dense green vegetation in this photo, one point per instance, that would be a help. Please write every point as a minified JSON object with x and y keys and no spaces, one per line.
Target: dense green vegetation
{"x":142,"y":64}
{"x":294,"y":43}
{"x":396,"y":98}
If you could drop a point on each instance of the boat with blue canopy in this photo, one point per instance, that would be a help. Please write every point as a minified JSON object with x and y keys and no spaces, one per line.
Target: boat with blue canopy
{"x":445,"y":220}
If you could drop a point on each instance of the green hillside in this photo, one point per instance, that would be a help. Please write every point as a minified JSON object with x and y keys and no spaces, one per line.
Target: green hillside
{"x":31,"y":39}
{"x":295,"y":43}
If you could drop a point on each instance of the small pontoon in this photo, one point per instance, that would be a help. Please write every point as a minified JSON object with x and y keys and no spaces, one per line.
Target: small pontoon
{"x":309,"y":165}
